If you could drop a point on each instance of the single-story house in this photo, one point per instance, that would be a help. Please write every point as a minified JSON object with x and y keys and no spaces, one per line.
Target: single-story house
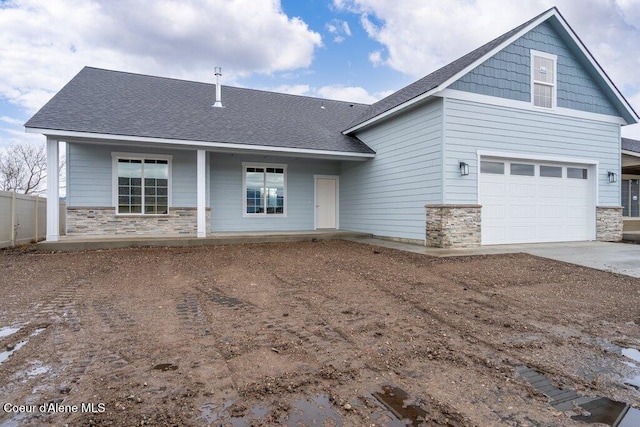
{"x":630,"y":191}
{"x":517,"y":141}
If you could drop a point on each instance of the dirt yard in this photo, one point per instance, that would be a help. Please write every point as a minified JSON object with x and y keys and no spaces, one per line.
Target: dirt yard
{"x":306,"y":334}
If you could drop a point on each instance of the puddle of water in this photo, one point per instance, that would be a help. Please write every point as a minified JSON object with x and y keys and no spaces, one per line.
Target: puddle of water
{"x":38,"y":370}
{"x":6,"y":354}
{"x":631,"y":353}
{"x":209,"y":412}
{"x":633,"y":382}
{"x":165,"y":367}
{"x":317,"y":411}
{"x":599,"y":409}
{"x":8,"y":330}
{"x":393,"y":399}
{"x":607,"y":411}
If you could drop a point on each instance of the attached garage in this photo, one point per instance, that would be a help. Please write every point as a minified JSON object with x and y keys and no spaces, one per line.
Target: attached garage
{"x":526,"y":201}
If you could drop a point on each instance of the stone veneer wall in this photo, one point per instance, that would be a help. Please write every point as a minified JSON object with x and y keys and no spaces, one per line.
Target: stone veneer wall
{"x":453,"y":226}
{"x":609,"y":223}
{"x":103,"y":221}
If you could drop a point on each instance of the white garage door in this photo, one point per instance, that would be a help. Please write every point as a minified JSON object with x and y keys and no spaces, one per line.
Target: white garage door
{"x":528,"y":202}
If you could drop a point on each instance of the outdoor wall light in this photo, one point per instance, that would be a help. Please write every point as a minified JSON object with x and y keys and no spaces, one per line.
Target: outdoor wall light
{"x":464,"y":169}
{"x":613,"y":177}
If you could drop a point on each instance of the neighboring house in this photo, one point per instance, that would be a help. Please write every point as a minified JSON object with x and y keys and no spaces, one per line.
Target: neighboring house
{"x":514,"y":142}
{"x":630,"y":184}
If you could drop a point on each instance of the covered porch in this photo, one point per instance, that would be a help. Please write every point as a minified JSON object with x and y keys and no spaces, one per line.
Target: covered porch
{"x":135,"y":192}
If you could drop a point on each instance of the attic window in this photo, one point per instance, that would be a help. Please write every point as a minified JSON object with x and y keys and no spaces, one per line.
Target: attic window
{"x":543,"y":79}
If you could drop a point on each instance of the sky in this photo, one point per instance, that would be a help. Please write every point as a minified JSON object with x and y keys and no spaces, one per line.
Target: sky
{"x":353,"y":50}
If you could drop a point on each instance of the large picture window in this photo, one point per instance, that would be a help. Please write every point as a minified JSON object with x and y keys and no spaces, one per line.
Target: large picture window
{"x":543,"y":76}
{"x":142,"y":186}
{"x":264,"y":190}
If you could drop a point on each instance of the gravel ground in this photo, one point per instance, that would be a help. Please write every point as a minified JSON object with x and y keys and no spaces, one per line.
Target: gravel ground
{"x":306,"y":334}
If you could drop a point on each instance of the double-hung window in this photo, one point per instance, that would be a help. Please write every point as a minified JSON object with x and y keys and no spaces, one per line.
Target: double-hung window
{"x":543,"y":79}
{"x":142,"y":184}
{"x":264,"y":192}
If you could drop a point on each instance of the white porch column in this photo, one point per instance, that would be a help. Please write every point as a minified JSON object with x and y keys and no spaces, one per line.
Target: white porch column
{"x":53,"y":190}
{"x":202,"y":196}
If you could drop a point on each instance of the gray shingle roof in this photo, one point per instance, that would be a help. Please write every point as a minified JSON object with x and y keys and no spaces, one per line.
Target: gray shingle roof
{"x":118,"y":103}
{"x":631,"y":145}
{"x":434,"y":79}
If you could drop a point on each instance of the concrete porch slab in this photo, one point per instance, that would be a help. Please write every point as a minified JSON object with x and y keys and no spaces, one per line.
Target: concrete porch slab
{"x":79,"y":243}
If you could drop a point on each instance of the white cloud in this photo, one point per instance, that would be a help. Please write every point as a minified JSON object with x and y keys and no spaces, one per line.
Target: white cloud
{"x":11,"y":120}
{"x":345,"y":28}
{"x":337,"y":92}
{"x":339,"y":29}
{"x":376,"y":58}
{"x":346,"y":93}
{"x":292,"y":89}
{"x":43,"y":44}
{"x":420,"y":36}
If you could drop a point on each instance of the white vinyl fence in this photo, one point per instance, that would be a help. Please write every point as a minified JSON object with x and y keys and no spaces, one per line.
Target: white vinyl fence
{"x":23,"y":218}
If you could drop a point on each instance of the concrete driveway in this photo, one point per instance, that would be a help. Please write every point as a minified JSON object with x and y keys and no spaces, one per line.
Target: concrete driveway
{"x":622,"y":258}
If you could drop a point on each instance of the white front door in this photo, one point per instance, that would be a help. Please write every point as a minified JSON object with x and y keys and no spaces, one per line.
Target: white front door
{"x":326,"y":202}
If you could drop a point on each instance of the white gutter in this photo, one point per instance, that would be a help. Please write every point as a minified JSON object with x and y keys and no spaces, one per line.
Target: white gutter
{"x":61,"y":134}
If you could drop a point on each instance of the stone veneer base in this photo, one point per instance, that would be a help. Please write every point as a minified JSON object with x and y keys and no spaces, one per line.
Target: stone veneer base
{"x":453,"y":226}
{"x":609,"y":223}
{"x":103,"y":221}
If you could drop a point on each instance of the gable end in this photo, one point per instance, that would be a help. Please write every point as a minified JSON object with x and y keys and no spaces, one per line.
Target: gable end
{"x":508,"y":74}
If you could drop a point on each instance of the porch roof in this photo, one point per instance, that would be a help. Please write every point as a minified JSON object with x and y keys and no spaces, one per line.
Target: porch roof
{"x":118,"y":104}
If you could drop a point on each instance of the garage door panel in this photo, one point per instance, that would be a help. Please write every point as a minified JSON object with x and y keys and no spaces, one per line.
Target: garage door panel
{"x":528,"y":209}
{"x":493,"y":189}
{"x":496,"y":211}
{"x":523,"y":233}
{"x":551,"y":211}
{"x":522,"y":211}
{"x":521,"y":190}
{"x":550,"y":232}
{"x":551,"y":191}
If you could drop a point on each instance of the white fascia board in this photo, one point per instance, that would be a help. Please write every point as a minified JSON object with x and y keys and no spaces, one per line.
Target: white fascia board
{"x":217,"y":146}
{"x":597,"y":66}
{"x":456,"y":76}
{"x":392,"y":111}
{"x":528,"y":106}
{"x":630,"y":153}
{"x":536,"y":157}
{"x":541,"y":19}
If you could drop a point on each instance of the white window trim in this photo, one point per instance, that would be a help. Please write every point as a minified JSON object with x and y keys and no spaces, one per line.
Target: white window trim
{"x":246,"y":165}
{"x":554,"y":91}
{"x":115,"y":156}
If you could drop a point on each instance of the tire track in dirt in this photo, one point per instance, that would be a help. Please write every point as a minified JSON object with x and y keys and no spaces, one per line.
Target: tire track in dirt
{"x":440,"y":414}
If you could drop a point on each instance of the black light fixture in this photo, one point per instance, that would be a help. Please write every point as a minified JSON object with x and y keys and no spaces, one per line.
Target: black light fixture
{"x":613,"y":177}
{"x":464,"y":169}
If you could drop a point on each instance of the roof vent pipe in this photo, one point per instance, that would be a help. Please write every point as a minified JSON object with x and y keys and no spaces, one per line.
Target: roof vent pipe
{"x":218,"y":103}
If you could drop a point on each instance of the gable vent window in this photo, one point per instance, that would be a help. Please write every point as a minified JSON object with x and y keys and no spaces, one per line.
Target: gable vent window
{"x":543,"y":76}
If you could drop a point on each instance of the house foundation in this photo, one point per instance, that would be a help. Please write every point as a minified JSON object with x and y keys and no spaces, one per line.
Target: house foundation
{"x":453,"y":226}
{"x":103,"y":221}
{"x":609,"y":223}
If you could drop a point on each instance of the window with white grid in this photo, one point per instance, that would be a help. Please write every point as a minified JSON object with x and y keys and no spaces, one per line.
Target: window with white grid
{"x":543,"y":77}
